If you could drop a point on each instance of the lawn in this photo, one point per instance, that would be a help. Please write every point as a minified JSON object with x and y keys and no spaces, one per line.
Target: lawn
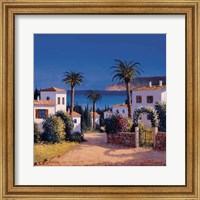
{"x":47,"y":151}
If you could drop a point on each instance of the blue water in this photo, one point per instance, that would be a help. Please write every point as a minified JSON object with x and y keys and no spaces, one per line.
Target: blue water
{"x":109,"y":98}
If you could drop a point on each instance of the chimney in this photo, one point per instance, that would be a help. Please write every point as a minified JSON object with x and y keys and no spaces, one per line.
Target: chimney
{"x":38,"y":97}
{"x":160,"y":82}
{"x":150,"y":84}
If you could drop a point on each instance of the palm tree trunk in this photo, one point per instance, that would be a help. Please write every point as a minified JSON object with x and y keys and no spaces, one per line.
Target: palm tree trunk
{"x":128,"y":91}
{"x":72,"y":100}
{"x":94,"y":110}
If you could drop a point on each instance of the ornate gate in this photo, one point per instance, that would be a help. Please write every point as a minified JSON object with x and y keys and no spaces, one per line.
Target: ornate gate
{"x":146,"y":138}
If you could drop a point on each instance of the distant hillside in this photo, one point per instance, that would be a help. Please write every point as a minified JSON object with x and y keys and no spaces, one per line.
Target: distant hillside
{"x":138,"y":82}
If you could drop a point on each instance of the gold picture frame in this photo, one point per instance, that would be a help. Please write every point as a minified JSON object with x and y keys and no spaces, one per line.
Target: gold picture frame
{"x":10,"y":8}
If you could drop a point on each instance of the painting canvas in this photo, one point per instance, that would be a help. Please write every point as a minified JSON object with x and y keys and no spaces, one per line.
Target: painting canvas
{"x":100,"y":100}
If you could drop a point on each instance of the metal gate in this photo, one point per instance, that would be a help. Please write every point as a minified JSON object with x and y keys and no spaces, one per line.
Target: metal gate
{"x":146,"y":138}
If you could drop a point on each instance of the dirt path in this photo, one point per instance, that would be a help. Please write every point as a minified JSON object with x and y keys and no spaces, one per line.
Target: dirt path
{"x":97,"y":152}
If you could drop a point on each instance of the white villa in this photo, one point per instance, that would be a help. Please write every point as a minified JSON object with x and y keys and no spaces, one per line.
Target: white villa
{"x":148,"y":96}
{"x":97,"y":118}
{"x":121,"y":109}
{"x":141,"y":96}
{"x":107,"y":114}
{"x":52,"y":100}
{"x":76,"y":117}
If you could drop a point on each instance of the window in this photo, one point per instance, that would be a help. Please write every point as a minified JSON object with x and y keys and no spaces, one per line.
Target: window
{"x":48,"y":98}
{"x":149,"y":99}
{"x":41,"y":113}
{"x":58,"y":100}
{"x":138,"y":99}
{"x":117,"y":111}
{"x":148,"y":117}
{"x":63,"y":100}
{"x":75,"y":121}
{"x":123,"y":111}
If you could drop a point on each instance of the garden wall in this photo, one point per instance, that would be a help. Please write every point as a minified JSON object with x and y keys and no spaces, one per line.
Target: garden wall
{"x":124,"y":138}
{"x":161,"y":141}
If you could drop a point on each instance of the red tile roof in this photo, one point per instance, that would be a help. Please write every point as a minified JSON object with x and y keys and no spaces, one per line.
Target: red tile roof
{"x":96,"y":114}
{"x":53,"y":89}
{"x":44,"y":102}
{"x":108,"y":112}
{"x":120,"y":105}
{"x":75,"y":114}
{"x":154,"y":87}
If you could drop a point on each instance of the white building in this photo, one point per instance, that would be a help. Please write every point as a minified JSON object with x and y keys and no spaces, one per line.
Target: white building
{"x":52,"y":100}
{"x":76,"y":117}
{"x":148,"y":96}
{"x":57,"y":95}
{"x":107,"y":114}
{"x":97,"y":118}
{"x":121,"y":109}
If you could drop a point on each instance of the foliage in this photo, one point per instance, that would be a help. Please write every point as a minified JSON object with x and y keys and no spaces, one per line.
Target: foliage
{"x":37,"y":133}
{"x":69,"y":125}
{"x":43,"y":152}
{"x":73,"y":78}
{"x":125,"y":72}
{"x":86,"y":122}
{"x":161,"y":110}
{"x":77,"y":137}
{"x":36,"y":94}
{"x":94,"y":97}
{"x":148,"y":110}
{"x":116,"y":123}
{"x":54,"y":129}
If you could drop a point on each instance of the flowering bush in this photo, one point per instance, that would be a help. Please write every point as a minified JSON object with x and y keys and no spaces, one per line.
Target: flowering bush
{"x":116,"y":123}
{"x":54,"y":129}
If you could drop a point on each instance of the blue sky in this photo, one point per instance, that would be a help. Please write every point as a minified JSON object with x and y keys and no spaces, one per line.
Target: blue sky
{"x":93,"y":55}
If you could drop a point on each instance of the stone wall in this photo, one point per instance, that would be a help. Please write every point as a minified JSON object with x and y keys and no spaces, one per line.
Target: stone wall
{"x":161,"y":141}
{"x":124,"y":138}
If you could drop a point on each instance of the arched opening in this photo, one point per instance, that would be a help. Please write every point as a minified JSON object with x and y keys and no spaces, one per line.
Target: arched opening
{"x":145,"y":137}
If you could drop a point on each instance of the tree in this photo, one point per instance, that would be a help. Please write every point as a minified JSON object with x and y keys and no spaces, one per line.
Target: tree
{"x":36,"y":94}
{"x":125,"y":72}
{"x":94,"y":97}
{"x":161,"y":110}
{"x":73,"y":79}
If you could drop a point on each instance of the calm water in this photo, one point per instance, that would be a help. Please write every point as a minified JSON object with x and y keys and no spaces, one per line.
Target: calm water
{"x":109,"y":98}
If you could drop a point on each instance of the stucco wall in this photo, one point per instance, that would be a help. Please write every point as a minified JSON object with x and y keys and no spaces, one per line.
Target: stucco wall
{"x":97,"y":119}
{"x":51,"y":109}
{"x":77,"y":125}
{"x":107,"y":115}
{"x":54,"y":97}
{"x":157,"y":96}
{"x":120,"y":109}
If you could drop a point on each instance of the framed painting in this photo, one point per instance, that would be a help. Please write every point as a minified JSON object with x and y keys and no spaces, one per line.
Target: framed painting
{"x":99,"y":99}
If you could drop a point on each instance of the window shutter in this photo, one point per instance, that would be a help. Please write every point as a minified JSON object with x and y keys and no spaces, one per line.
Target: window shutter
{"x":47,"y":112}
{"x":36,"y":113}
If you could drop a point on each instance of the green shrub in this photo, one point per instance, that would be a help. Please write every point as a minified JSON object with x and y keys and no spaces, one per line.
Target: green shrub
{"x":54,"y":129}
{"x":161,"y":110}
{"x":77,"y":137}
{"x":69,"y":125}
{"x":116,"y":123}
{"x":37,"y":133}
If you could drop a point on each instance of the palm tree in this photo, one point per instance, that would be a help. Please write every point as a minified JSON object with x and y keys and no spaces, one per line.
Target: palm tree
{"x":125,"y":72}
{"x":73,"y":79}
{"x":94,"y":97}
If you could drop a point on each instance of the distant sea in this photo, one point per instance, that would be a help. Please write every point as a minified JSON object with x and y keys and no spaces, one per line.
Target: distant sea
{"x":109,"y":98}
